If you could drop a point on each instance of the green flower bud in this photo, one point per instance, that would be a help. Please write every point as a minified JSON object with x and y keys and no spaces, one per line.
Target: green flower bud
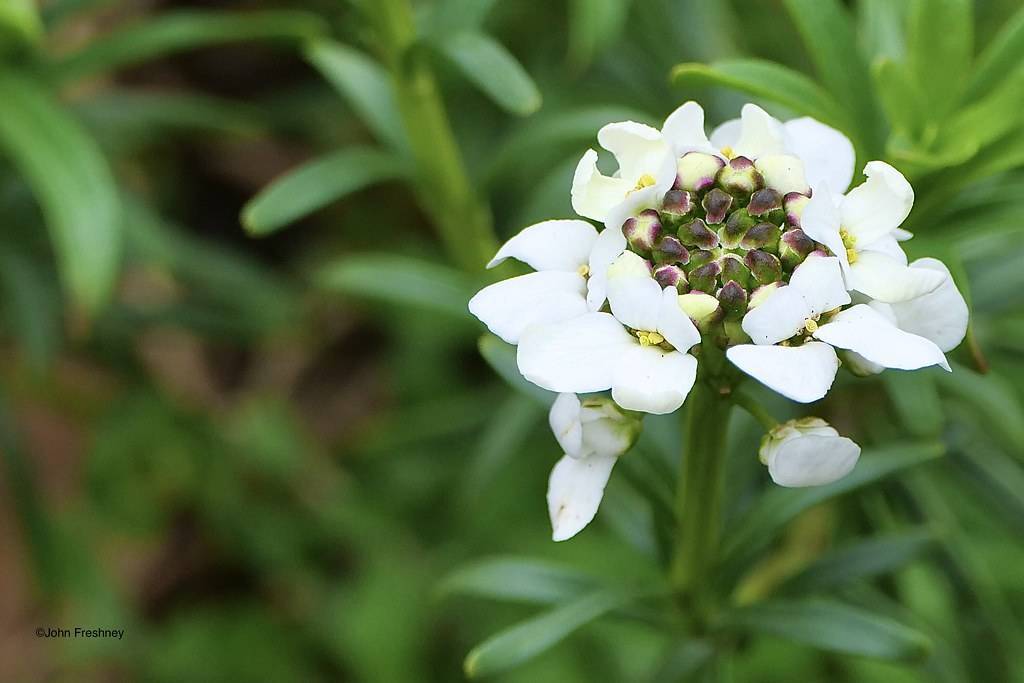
{"x":703,"y":309}
{"x":643,"y":231}
{"x":794,"y":247}
{"x":696,"y":171}
{"x":696,"y":234}
{"x":793,"y":204}
{"x":739,"y":178}
{"x":736,"y":227}
{"x":761,"y":293}
{"x":733,"y":299}
{"x":670,"y":250}
{"x":765,"y":267}
{"x":705,"y":278}
{"x":717,"y":204}
{"x":733,"y":268}
{"x":678,"y":205}
{"x":670,"y":275}
{"x":764,"y":236}
{"x":699,"y":258}
{"x":766,"y":204}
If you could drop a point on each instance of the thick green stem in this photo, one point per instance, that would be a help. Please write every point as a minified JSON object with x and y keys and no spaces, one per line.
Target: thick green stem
{"x":445,"y":191}
{"x":699,"y":499}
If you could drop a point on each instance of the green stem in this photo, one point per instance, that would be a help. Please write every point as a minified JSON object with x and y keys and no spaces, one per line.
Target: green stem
{"x":444,"y":191}
{"x":755,"y":409}
{"x":699,"y":499}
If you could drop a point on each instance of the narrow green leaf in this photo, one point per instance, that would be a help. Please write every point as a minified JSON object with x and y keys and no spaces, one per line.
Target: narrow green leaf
{"x":916,"y":399}
{"x":512,"y":422}
{"x":881,"y":28}
{"x":19,"y":25}
{"x":502,"y":358}
{"x":988,"y":119}
{"x":73,"y":184}
{"x":767,"y":80}
{"x":778,"y":506}
{"x":940,"y":44}
{"x":451,"y":16}
{"x":517,"y":579}
{"x":400,"y":280}
{"x":528,"y":639}
{"x":316,"y":184}
{"x":492,"y":69}
{"x":185,"y":30}
{"x":32,"y":306}
{"x":593,"y":26}
{"x":863,"y":560}
{"x":1001,"y":56}
{"x":365,"y":86}
{"x":993,"y":402}
{"x":120,"y":113}
{"x":831,"y":626}
{"x":900,"y":95}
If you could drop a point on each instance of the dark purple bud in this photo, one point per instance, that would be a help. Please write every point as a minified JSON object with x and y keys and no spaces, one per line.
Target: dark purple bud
{"x":643,"y":231}
{"x":739,"y":178}
{"x":794,"y":247}
{"x":678,"y":204}
{"x":696,"y":171}
{"x":733,"y":268}
{"x":733,"y":299}
{"x":764,"y":202}
{"x":696,"y":234}
{"x":670,"y":250}
{"x":705,"y":278}
{"x":670,"y":275}
{"x":762,"y":236}
{"x":793,"y":204}
{"x":716,"y":203}
{"x":736,"y":227}
{"x":765,"y":267}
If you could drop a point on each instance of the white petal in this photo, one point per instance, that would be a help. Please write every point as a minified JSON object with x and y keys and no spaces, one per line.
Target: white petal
{"x":510,"y":306}
{"x":827,"y":154}
{"x":889,"y":246}
{"x":820,"y":221}
{"x":564,"y":418}
{"x":673,"y":322}
{"x":684,"y":130}
{"x":633,"y":294}
{"x":760,"y":135}
{"x":652,"y":380}
{"x":780,"y":316}
{"x":634,"y":202}
{"x":726,"y":134}
{"x":593,"y":194}
{"x":820,"y":280}
{"x":551,"y":245}
{"x":879,"y":205}
{"x":577,"y":355}
{"x":866,"y":331}
{"x":609,"y":244}
{"x":637,"y":147}
{"x":575,"y":489}
{"x":884,"y":278}
{"x":784,"y":173}
{"x":941,"y":315}
{"x":813,"y":460}
{"x":801,"y":373}
{"x":902,"y":235}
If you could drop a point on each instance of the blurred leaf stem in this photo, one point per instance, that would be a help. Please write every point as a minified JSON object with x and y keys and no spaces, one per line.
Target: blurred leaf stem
{"x":444,"y":188}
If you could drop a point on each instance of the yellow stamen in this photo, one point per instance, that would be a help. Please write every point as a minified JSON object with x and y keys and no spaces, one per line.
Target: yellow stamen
{"x":811,"y":326}
{"x":850,"y":242}
{"x":583,"y":270}
{"x":851,"y":255}
{"x":728,"y":152}
{"x":644,"y":339}
{"x":654,"y":338}
{"x":646,"y":180}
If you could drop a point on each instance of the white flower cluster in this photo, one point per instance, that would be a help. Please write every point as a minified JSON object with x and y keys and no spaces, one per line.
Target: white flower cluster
{"x":747,"y":241}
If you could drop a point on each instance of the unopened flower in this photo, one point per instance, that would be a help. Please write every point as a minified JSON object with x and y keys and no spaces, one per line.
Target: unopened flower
{"x":807,"y":452}
{"x":593,"y":432}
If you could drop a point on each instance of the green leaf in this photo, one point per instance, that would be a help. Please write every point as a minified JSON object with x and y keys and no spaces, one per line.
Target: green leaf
{"x":528,"y":639}
{"x":32,"y":306}
{"x":316,"y":184}
{"x":73,"y":184}
{"x":365,"y":86}
{"x":185,"y":30}
{"x":451,"y":16}
{"x":916,"y":399}
{"x":19,"y":25}
{"x":862,"y":560}
{"x":594,"y":25}
{"x":831,"y":626}
{"x":988,"y":119}
{"x":900,"y":95}
{"x":400,"y":280}
{"x":517,"y":579}
{"x":492,"y":69}
{"x":828,"y":37}
{"x":767,"y":80}
{"x":993,"y":402}
{"x":940,"y":39}
{"x":502,"y":358}
{"x":778,"y":506}
{"x":1001,"y":56}
{"x":881,"y":28}
{"x":120,"y":113}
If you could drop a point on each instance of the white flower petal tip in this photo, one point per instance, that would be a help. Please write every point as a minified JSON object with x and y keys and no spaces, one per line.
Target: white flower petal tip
{"x":550,"y":245}
{"x":800,"y":373}
{"x":761,"y":134}
{"x":592,"y":425}
{"x":652,"y":380}
{"x":941,"y":315}
{"x":879,"y":205}
{"x":807,"y":452}
{"x":510,"y":306}
{"x":827,"y":154}
{"x":865,"y":331}
{"x":684,"y":130}
{"x":886,"y":279}
{"x":575,"y":489}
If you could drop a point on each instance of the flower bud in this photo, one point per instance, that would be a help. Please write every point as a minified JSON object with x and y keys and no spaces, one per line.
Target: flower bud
{"x":716,"y":203}
{"x":670,"y":275}
{"x":642,"y":231}
{"x":703,"y":309}
{"x":765,"y":267}
{"x":705,"y":278}
{"x":766,"y":204}
{"x":678,"y":205}
{"x":696,"y":234}
{"x":594,"y":425}
{"x":699,"y":258}
{"x":807,"y":452}
{"x":783,"y":172}
{"x":696,"y":171}
{"x":670,"y":250}
{"x":763,"y":236}
{"x":734,"y":269}
{"x":733,"y":299}
{"x":793,"y":204}
{"x":794,"y":247}
{"x":736,"y":227}
{"x":739,"y":178}
{"x":758,"y":296}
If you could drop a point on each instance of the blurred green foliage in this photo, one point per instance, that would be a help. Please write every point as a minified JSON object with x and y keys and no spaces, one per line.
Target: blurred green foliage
{"x":285,"y":459}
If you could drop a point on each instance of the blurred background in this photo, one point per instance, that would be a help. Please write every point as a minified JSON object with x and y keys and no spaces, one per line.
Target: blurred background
{"x":245,"y":416}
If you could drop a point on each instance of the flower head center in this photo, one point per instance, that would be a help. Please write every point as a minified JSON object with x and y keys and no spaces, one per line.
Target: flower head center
{"x":728,"y":152}
{"x":583,"y":270}
{"x":646,"y":180}
{"x":850,"y":242}
{"x":811,"y":325}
